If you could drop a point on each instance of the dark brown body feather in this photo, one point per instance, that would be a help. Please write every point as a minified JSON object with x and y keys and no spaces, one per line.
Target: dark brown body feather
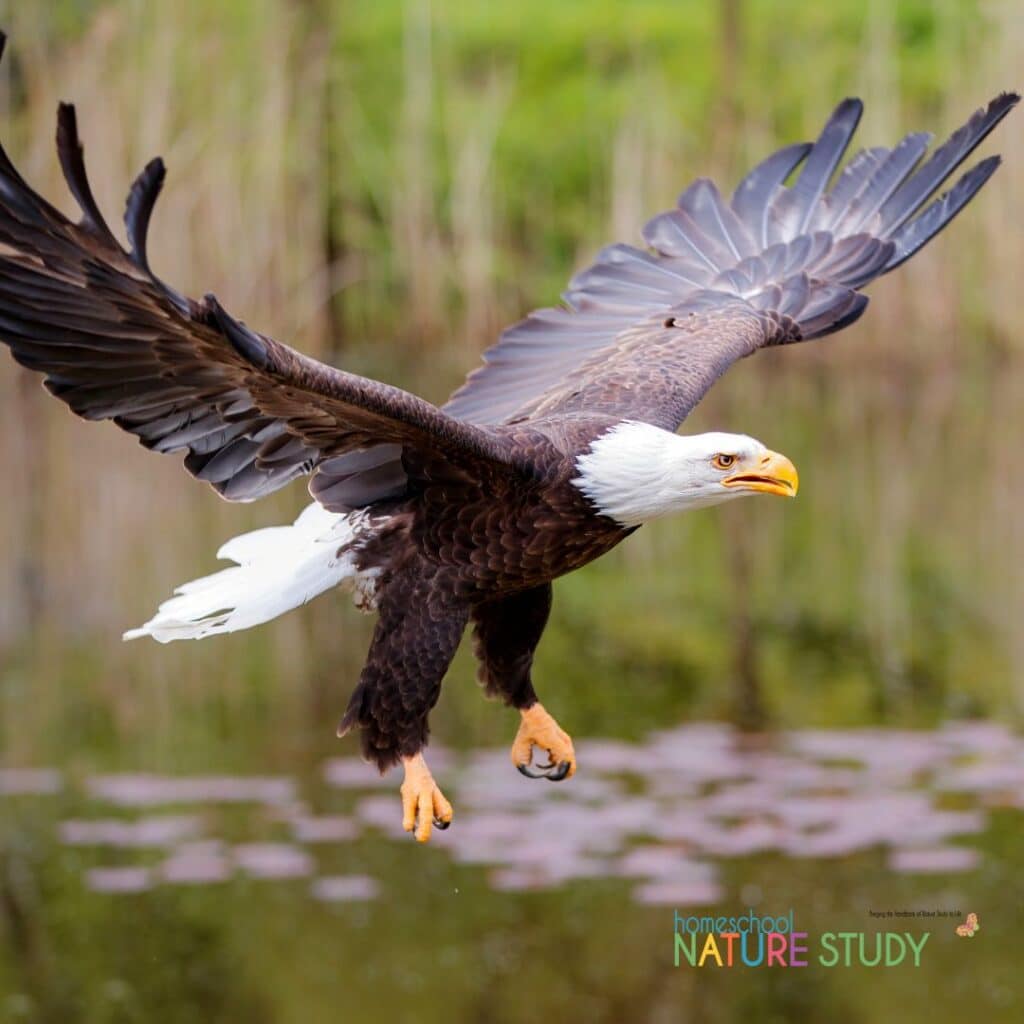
{"x":474,"y":507}
{"x":485,"y":549}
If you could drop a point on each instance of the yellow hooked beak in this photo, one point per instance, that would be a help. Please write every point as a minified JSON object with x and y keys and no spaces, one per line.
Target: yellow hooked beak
{"x":771,"y":473}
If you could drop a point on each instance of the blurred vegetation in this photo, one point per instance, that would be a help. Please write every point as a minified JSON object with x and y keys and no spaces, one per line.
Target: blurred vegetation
{"x":386,"y":185}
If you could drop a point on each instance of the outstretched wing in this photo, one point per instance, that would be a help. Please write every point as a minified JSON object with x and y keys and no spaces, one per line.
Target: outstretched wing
{"x":645,"y":333}
{"x":116,"y":343}
{"x":659,"y":369}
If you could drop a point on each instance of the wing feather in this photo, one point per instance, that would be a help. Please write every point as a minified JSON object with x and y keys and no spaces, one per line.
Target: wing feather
{"x":793,"y":209}
{"x":889,"y":175}
{"x":757,"y":191}
{"x":716,"y":220}
{"x":915,"y":191}
{"x":791,"y":258}
{"x":115,"y":342}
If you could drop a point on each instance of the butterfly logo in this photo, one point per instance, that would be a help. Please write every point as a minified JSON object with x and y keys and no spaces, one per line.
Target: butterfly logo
{"x":969,"y":927}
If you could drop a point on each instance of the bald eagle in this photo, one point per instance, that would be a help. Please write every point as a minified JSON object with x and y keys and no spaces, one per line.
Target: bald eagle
{"x":552,"y":452}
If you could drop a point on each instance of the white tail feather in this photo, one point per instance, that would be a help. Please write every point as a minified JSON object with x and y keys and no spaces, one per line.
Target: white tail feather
{"x":279,"y":568}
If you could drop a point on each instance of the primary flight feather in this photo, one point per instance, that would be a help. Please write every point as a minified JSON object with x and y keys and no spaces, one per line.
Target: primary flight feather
{"x":561,"y":444}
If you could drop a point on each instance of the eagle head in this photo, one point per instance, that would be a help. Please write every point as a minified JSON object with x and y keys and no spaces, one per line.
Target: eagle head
{"x":636,"y":471}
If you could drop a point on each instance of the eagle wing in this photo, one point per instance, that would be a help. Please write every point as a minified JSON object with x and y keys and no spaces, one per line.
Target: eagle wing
{"x":114,"y":342}
{"x":645,"y":333}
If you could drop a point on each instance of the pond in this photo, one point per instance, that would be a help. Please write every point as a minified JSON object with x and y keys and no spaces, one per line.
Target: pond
{"x":254,"y":896}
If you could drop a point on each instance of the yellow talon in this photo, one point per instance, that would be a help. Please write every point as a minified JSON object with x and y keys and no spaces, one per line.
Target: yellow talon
{"x":423,"y":803}
{"x":539,"y":729}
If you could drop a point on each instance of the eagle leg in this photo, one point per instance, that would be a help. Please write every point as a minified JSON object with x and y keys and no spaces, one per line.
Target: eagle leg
{"x":506,"y":633}
{"x":423,"y":803}
{"x":539,"y":729}
{"x":417,"y":633}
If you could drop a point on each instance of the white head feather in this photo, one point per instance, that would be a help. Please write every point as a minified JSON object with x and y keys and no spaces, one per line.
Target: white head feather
{"x":636,"y":472}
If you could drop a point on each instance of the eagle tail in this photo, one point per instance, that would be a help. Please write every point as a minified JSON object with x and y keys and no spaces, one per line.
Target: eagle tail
{"x":278,"y":569}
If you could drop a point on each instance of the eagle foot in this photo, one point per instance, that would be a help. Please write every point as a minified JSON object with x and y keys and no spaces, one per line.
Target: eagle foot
{"x":423,"y":803}
{"x":539,"y":729}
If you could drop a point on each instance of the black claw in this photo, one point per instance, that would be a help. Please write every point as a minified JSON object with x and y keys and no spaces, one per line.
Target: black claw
{"x":551,"y":772}
{"x":442,"y":825}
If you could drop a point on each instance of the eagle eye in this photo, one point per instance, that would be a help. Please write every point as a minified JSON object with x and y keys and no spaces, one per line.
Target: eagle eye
{"x":723,"y":460}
